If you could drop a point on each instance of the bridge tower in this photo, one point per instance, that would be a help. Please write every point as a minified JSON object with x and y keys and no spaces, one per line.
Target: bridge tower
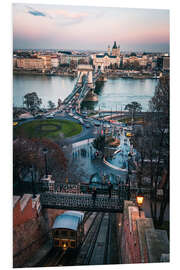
{"x":102,"y":68}
{"x":83,"y":72}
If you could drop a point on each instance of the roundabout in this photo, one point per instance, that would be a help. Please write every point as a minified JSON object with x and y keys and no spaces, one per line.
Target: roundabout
{"x":43,"y":128}
{"x":48,"y":128}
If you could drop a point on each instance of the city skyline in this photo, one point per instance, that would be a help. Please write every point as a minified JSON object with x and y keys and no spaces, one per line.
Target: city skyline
{"x":93,"y":28}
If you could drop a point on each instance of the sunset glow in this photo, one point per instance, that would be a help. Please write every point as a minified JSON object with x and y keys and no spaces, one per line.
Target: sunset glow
{"x":46,"y":26}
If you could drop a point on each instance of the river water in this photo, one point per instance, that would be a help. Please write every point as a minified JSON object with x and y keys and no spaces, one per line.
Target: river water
{"x":113,"y":94}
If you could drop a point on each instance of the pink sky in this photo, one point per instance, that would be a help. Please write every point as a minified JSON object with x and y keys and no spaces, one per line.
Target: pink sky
{"x":48,"y":26}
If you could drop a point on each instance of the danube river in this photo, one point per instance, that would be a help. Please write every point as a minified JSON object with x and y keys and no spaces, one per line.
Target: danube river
{"x":113,"y":94}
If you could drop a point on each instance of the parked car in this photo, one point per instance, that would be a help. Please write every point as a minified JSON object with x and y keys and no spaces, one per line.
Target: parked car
{"x":87,"y":125}
{"x":38,"y":116}
{"x":50,"y":116}
{"x":128,"y":134}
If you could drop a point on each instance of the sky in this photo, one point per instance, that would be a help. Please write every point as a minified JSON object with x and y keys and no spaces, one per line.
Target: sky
{"x":37,"y":26}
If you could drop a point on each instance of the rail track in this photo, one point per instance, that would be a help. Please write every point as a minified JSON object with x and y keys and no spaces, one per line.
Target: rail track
{"x":87,"y":247}
{"x":96,"y":248}
{"x":57,"y":257}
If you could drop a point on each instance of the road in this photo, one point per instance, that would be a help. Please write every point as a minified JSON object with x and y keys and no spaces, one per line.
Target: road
{"x":91,"y":131}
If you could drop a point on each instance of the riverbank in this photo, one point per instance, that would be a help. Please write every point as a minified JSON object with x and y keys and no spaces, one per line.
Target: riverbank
{"x":131,"y":76}
{"x":30,"y":72}
{"x":114,"y":74}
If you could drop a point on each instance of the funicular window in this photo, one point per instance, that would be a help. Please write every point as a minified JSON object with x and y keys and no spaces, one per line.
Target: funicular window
{"x":56,"y":232}
{"x":64,"y":233}
{"x":72,"y":234}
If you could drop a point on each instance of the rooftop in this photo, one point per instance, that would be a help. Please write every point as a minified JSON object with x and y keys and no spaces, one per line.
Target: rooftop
{"x":66,"y":221}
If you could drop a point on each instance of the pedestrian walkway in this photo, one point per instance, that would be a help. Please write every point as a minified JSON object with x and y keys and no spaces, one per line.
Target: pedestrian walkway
{"x":83,"y":202}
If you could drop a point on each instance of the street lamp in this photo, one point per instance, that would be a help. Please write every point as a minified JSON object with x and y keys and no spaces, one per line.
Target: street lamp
{"x":128,"y":178}
{"x":45,"y":151}
{"x":139,"y":200}
{"x":33,"y":187}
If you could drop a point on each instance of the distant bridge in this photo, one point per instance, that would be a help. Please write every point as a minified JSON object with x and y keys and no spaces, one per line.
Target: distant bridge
{"x":84,"y":85}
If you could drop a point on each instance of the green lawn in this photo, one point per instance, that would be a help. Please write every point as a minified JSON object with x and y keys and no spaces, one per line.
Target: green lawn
{"x":49,"y":128}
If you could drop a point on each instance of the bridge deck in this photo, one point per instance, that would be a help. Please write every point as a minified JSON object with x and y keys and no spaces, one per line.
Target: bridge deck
{"x":84,"y":202}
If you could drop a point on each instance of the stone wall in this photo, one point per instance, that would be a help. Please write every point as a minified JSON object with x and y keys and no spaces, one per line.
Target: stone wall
{"x":27,"y":239}
{"x":31,"y":228}
{"x":140,"y":242}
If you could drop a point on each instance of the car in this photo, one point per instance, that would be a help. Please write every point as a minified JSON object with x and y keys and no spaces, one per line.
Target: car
{"x":129,"y":134}
{"x":38,"y":116}
{"x":87,"y":125}
{"x":50,"y":116}
{"x":81,"y":121}
{"x":44,"y":110}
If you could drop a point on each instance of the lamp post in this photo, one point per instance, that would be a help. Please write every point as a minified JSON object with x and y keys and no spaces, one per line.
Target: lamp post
{"x":139,"y":200}
{"x":45,"y":151}
{"x":128,"y":179}
{"x":32,"y":182}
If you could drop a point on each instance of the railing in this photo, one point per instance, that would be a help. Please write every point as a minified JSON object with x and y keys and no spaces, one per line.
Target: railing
{"x":84,"y":87}
{"x":75,"y":90}
{"x":82,"y":202}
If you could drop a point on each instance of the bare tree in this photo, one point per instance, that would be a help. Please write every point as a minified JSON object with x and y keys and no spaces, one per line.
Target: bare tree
{"x":153,"y":144}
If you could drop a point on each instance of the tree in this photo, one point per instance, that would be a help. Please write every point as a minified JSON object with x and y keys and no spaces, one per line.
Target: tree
{"x":133,"y":107}
{"x":160,"y":101}
{"x":99,"y":143}
{"x":51,"y":104}
{"x":29,"y":152}
{"x":32,"y":101}
{"x":153,"y":144}
{"x":59,"y":103}
{"x":159,"y":104}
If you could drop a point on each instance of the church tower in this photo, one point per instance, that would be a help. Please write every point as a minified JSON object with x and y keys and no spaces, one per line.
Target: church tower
{"x":118,"y":50}
{"x":114,"y":49}
{"x":109,"y":50}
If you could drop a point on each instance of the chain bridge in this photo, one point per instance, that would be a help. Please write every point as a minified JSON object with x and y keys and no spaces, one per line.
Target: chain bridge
{"x":85,"y":84}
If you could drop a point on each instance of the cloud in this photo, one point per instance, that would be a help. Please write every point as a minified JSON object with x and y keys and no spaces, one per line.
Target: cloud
{"x":65,"y":17}
{"x":60,"y":16}
{"x":36,"y":12}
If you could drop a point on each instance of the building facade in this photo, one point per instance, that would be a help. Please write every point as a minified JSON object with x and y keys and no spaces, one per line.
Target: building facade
{"x":68,"y":57}
{"x":54,"y":61}
{"x":110,"y":58}
{"x":42,"y":62}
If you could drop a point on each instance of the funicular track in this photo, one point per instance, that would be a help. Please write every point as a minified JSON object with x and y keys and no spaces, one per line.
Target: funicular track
{"x":95,"y":248}
{"x":86,"y":249}
{"x":58,"y":257}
